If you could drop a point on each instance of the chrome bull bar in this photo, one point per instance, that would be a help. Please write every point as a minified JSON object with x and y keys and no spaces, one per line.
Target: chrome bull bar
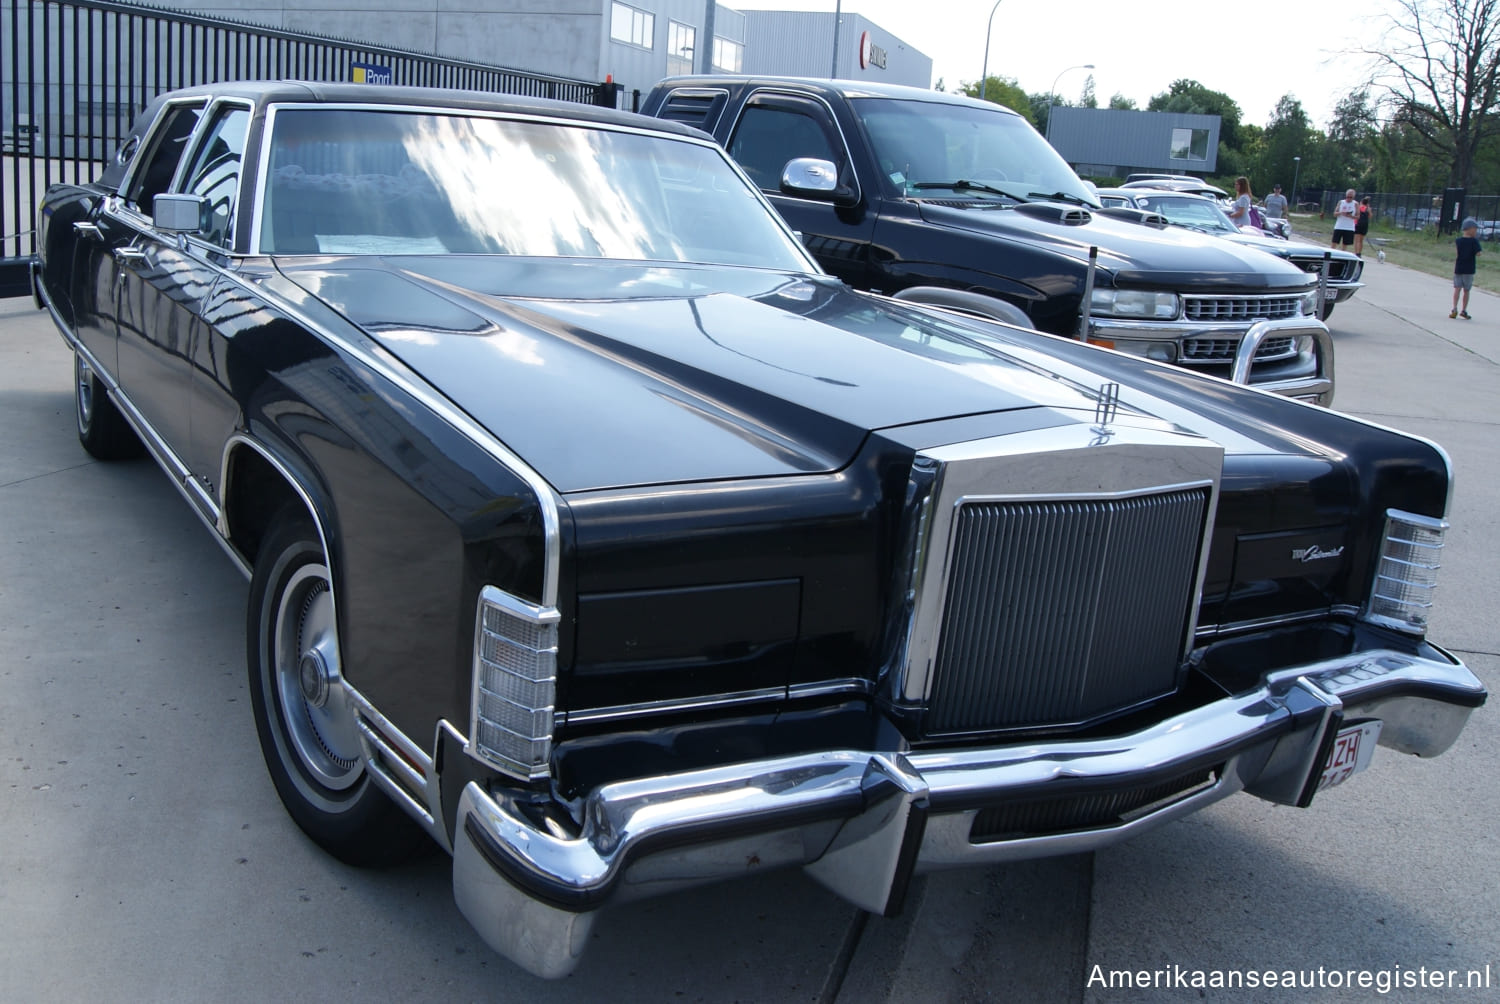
{"x":863,"y":823}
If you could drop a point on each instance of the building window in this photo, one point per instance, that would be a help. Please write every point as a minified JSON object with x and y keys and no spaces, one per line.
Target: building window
{"x":1189,"y":144}
{"x":681,"y":40}
{"x":626,"y":24}
{"x":728,"y":56}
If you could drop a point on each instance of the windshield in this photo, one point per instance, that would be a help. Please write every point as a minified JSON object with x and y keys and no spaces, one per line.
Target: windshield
{"x":345,"y":181}
{"x":934,"y":144}
{"x":1189,"y":211}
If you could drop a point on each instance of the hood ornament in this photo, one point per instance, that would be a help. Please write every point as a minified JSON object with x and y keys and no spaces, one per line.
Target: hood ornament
{"x":1106,"y":406}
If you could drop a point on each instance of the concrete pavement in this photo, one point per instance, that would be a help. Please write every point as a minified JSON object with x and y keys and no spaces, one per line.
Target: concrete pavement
{"x":144,"y":856}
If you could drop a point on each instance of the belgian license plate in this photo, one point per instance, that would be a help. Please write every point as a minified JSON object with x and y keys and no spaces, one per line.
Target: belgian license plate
{"x":1353,"y":749}
{"x":1330,"y":294}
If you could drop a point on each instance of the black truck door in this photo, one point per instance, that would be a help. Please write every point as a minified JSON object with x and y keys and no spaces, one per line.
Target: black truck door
{"x":775,"y":127}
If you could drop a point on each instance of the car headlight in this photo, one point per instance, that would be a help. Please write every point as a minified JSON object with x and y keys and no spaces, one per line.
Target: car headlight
{"x":1134,"y":303}
{"x":1310,"y":303}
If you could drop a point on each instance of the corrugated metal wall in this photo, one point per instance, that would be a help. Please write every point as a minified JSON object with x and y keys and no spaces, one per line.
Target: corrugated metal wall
{"x":1129,"y":139}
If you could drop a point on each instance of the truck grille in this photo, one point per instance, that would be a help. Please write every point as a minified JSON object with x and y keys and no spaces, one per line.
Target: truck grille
{"x":1338,"y":271}
{"x":1061,"y":611}
{"x":1222,"y":350}
{"x":1240,"y":308}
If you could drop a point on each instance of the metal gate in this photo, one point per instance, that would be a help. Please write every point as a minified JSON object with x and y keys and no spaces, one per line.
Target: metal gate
{"x":74,"y":74}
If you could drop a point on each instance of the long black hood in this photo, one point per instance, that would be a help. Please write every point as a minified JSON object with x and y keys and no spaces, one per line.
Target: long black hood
{"x":604,"y":375}
{"x":1131,"y":254}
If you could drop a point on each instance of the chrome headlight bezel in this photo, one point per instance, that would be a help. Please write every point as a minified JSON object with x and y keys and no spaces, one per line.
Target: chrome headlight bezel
{"x":514,"y":686}
{"x":1406,"y":568}
{"x":1308,"y":304}
{"x":1135,"y":304}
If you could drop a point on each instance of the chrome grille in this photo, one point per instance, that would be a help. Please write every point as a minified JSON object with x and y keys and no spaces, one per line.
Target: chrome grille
{"x":1222,"y":350}
{"x":1061,"y":611}
{"x":1338,"y":271}
{"x":1240,"y":308}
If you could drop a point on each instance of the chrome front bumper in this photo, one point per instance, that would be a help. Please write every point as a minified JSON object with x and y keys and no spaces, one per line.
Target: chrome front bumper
{"x":863,"y":823}
{"x":1317,"y":387}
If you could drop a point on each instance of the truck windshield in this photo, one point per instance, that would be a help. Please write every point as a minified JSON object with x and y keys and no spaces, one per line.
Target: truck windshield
{"x":933,"y":143}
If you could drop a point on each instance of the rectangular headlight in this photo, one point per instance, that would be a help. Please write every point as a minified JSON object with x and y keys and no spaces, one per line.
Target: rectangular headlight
{"x":515,"y":684}
{"x":1134,"y":303}
{"x":1410,"y":556}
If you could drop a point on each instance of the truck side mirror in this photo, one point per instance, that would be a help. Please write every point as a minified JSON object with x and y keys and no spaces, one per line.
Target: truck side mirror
{"x":813,"y":178}
{"x":180,"y":214}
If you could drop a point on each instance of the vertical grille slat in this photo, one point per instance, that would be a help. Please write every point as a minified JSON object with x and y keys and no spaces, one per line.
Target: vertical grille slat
{"x":1059,"y":611}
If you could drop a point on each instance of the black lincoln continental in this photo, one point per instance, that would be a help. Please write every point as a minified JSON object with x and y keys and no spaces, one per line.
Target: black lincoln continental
{"x":597,"y":535}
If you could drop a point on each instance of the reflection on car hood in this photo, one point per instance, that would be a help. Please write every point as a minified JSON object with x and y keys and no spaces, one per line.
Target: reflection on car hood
{"x":602,"y":375}
{"x":1136,"y":255}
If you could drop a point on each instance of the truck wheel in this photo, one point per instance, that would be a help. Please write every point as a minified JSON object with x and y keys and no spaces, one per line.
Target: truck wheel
{"x":302,"y":711}
{"x":966,"y":302}
{"x":102,"y":430}
{"x":1328,"y":309}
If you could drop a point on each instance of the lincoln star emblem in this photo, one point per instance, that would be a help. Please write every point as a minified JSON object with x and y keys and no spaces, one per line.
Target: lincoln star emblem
{"x":1315,"y":553}
{"x":1104,"y":412}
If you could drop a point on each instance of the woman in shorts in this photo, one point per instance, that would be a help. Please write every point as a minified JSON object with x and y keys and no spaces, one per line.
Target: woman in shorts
{"x":1361,"y":226}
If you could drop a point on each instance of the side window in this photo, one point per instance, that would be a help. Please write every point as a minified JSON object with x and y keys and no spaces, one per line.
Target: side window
{"x":160,"y":164}
{"x":770,"y":134}
{"x":215,"y":171}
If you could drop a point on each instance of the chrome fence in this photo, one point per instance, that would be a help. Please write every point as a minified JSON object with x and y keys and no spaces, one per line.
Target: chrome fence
{"x":74,"y":74}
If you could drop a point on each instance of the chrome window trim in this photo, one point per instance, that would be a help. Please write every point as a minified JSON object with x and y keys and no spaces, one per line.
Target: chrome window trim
{"x":263,"y":168}
{"x":837,"y":125}
{"x":822,"y":688}
{"x":936,"y":504}
{"x":136,"y":160}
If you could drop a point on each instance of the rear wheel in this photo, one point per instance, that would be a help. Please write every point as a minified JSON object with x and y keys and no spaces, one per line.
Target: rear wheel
{"x":302,"y":711}
{"x":102,"y":430}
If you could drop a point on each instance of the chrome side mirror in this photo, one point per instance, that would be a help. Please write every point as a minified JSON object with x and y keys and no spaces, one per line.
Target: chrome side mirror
{"x":813,"y":178}
{"x":180,"y":214}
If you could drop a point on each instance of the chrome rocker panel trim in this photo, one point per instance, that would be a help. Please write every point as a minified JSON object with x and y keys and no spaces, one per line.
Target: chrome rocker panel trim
{"x":862,"y":823}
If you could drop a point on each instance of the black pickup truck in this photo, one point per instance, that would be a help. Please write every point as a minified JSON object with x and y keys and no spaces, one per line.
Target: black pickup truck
{"x":960,"y":203}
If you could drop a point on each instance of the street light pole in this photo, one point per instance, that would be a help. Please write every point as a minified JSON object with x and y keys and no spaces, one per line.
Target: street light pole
{"x":838,"y":15}
{"x":984,"y":74}
{"x":1052,"y":94}
{"x":1295,"y":174}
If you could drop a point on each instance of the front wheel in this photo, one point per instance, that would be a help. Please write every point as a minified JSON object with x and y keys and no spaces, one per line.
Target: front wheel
{"x":302,"y":711}
{"x":102,"y":430}
{"x":1328,"y":310}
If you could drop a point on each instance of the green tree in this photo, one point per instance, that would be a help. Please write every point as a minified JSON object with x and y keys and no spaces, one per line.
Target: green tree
{"x":1192,"y":98}
{"x":1087,"y":98}
{"x":1352,"y":135}
{"x":1002,"y":91}
{"x":1120,"y":102}
{"x":1439,"y":68}
{"x":1287,"y":136}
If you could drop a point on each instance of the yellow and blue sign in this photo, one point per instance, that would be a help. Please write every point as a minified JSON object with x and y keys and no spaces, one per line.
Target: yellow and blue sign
{"x":372,"y":73}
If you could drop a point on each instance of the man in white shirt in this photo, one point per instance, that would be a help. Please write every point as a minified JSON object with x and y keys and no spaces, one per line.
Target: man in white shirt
{"x":1344,"y":217}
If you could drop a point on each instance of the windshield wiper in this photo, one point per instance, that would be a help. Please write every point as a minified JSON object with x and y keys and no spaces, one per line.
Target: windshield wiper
{"x":1061,"y":197}
{"x":964,"y":185}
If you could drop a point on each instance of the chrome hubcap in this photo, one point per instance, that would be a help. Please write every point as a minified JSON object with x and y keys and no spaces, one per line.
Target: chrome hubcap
{"x":309,"y":687}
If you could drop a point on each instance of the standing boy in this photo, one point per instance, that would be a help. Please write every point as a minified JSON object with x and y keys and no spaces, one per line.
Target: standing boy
{"x":1464,"y":265}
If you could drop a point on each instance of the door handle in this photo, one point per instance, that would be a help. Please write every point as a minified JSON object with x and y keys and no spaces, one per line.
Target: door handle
{"x":126,"y":254}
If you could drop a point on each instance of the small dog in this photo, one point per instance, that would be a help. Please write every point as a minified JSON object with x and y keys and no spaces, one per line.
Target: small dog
{"x":1380,"y":256}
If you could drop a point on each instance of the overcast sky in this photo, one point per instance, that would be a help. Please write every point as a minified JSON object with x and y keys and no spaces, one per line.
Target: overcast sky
{"x":1138,"y":47}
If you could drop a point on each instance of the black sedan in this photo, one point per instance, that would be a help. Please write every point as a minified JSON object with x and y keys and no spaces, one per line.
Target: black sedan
{"x":598,"y":536}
